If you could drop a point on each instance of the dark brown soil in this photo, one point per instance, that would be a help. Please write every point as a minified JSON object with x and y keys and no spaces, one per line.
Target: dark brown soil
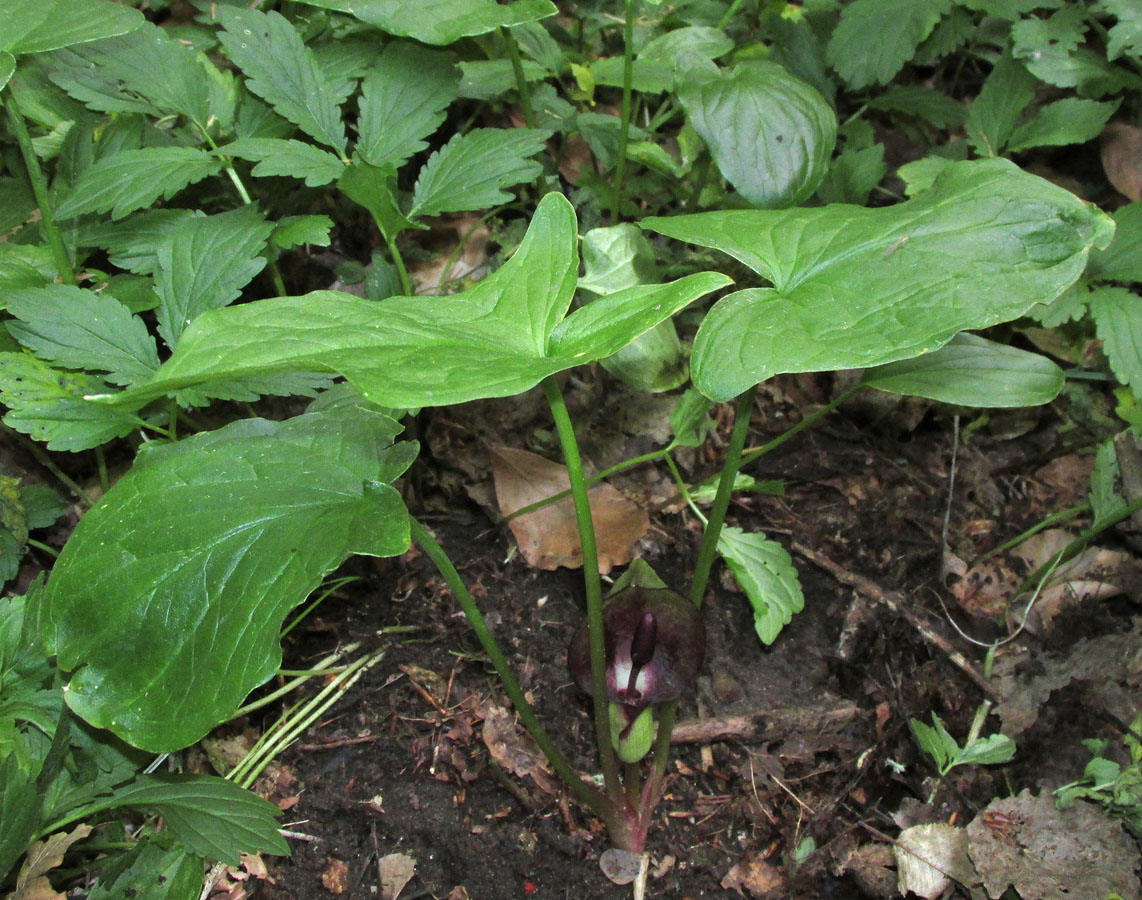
{"x":400,"y":766}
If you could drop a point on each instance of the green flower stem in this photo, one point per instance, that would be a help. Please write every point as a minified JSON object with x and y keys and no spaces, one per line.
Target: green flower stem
{"x":521,"y":86}
{"x":593,"y":584}
{"x":652,"y":456}
{"x":583,"y":792}
{"x":807,"y":422}
{"x":398,"y":261}
{"x":40,"y":189}
{"x":624,"y":118}
{"x":713,"y":529}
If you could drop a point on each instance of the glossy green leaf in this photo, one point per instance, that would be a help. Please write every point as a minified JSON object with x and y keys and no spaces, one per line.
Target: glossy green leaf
{"x":875,"y":38}
{"x":770,"y":133}
{"x":168,"y":627}
{"x":972,"y":371}
{"x":133,"y":179}
{"x":34,"y":26}
{"x":150,"y":63}
{"x":441,"y":21}
{"x":403,"y":99}
{"x":472,"y":170}
{"x":288,"y":158}
{"x":283,"y":71}
{"x":1117,"y":314}
{"x":79,"y":329}
{"x":49,"y":405}
{"x":856,"y":287}
{"x":765,"y":571}
{"x":1067,"y":121}
{"x":205,"y":263}
{"x":210,"y":816}
{"x":498,"y":338}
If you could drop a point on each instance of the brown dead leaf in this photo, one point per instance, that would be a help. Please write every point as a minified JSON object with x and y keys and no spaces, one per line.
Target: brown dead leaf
{"x":755,"y":875}
{"x":430,"y":278}
{"x":983,"y":591}
{"x":513,"y":750}
{"x":1090,"y":575}
{"x":929,"y":858}
{"x":336,"y":876}
{"x":1052,"y":854}
{"x":549,"y":537}
{"x":41,"y":858}
{"x":1122,"y":158}
{"x":396,"y":871}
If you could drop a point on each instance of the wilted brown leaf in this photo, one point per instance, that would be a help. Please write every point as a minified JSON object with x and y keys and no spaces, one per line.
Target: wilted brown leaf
{"x":549,"y":537}
{"x":755,"y":875}
{"x":335,"y":878}
{"x":42,"y":857}
{"x":1122,"y":158}
{"x":513,"y":751}
{"x":396,"y":871}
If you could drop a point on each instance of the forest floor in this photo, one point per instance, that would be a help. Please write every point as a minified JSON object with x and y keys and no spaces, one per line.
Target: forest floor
{"x":422,"y":768}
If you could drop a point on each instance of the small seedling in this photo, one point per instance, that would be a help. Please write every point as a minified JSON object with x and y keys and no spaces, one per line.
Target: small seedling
{"x":946,"y":752}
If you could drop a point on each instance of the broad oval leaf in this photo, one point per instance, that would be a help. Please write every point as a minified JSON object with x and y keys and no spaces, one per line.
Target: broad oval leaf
{"x":168,"y":599}
{"x":441,"y":21}
{"x":972,"y":371}
{"x":35,"y":26}
{"x":856,"y":287}
{"x":770,"y":133}
{"x":498,"y":338}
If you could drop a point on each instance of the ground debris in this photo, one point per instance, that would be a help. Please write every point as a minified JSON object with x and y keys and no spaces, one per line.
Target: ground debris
{"x":755,"y":876}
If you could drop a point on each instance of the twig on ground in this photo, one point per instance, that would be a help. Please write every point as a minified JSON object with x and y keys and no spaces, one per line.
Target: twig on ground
{"x":765,"y":726}
{"x":899,"y":605}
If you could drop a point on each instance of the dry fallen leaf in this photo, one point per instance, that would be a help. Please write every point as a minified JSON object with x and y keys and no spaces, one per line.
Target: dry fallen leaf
{"x":396,"y":871}
{"x":1122,"y":158}
{"x":756,"y":876}
{"x":336,"y":876}
{"x":429,"y":277}
{"x":930,"y":857}
{"x":549,"y":537}
{"x":42,"y":857}
{"x":514,"y":751}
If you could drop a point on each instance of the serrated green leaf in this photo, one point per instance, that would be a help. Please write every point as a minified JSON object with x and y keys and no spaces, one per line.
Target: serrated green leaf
{"x":1117,"y":314}
{"x":344,"y":59}
{"x":765,"y":571}
{"x":34,"y":26}
{"x":936,"y":742}
{"x":48,"y":405}
{"x":42,"y":506}
{"x":972,"y":371}
{"x":288,"y":158}
{"x":1052,"y":51}
{"x":1106,"y":500}
{"x":875,"y":38}
{"x":1122,"y":260}
{"x":375,"y":188}
{"x":155,"y":868}
{"x":16,"y":202}
{"x":1067,"y":121}
{"x":994,"y":113}
{"x":770,"y":133}
{"x":205,"y":263}
{"x":253,"y":387}
{"x":498,"y":338}
{"x":934,"y":107}
{"x":992,"y":750}
{"x":485,"y":79}
{"x":131,"y":244}
{"x":1012,"y":10}
{"x":853,"y":176}
{"x":19,"y":811}
{"x":536,"y":42}
{"x":920,"y":175}
{"x":150,"y":63}
{"x":441,"y":21}
{"x":79,"y":329}
{"x":1125,"y":36}
{"x":210,"y":816}
{"x":24,"y":266}
{"x":403,"y":99}
{"x":472,"y":170}
{"x":284,"y":72}
{"x":293,"y":231}
{"x":858,"y":287}
{"x":690,"y":420}
{"x":133,"y":179}
{"x":169,"y":627}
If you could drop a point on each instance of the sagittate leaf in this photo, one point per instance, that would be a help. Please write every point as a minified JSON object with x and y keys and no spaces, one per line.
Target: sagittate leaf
{"x":210,"y":816}
{"x":770,"y":133}
{"x":133,"y":179}
{"x":765,"y":571}
{"x":472,"y":170}
{"x":80,"y":329}
{"x":875,"y":38}
{"x":441,"y":21}
{"x":34,"y":26}
{"x":168,"y":627}
{"x":288,"y":158}
{"x":403,"y":98}
{"x":972,"y":371}
{"x":498,"y":338}
{"x":205,"y":263}
{"x":856,"y":287}
{"x":281,"y":70}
